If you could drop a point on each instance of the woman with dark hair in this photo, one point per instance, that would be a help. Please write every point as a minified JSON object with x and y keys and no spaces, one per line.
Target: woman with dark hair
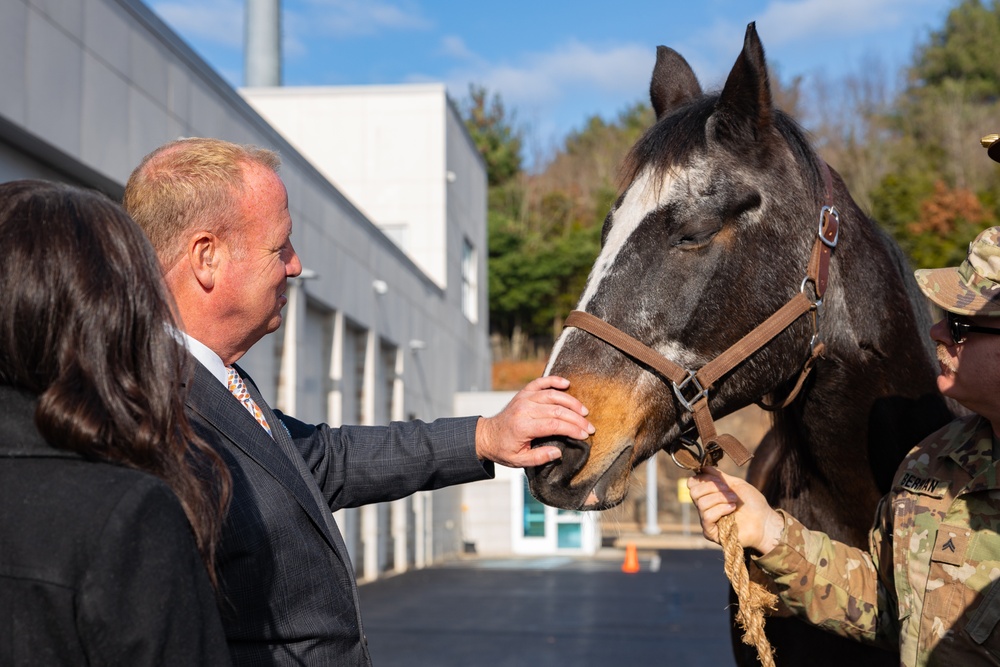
{"x":99,"y":562}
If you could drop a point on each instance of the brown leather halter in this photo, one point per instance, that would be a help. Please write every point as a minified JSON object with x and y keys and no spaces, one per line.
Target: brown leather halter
{"x":691,"y":387}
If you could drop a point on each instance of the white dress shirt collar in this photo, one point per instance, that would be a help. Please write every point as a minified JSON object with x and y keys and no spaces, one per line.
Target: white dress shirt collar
{"x":207,"y":357}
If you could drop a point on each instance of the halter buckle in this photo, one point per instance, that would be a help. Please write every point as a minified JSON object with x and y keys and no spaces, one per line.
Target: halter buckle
{"x":700,"y":392}
{"x":826,"y":213}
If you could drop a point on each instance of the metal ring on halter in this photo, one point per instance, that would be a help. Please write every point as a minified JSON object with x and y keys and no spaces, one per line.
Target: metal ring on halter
{"x":690,"y":442}
{"x":818,"y":303}
{"x":693,"y":447}
{"x":710,"y":455}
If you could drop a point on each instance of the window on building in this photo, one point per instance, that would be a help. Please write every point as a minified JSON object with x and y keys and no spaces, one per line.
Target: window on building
{"x":470,"y":305}
{"x":534,"y":514}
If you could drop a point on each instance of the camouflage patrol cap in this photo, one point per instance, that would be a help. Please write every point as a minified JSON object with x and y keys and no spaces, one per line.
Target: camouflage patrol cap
{"x":991,"y":142}
{"x":973,"y":288}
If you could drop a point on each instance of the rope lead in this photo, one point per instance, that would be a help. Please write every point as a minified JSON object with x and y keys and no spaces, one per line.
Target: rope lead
{"x":754,"y":599}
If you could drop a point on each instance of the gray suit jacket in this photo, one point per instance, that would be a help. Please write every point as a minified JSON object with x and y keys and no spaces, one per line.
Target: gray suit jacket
{"x":290,"y":592}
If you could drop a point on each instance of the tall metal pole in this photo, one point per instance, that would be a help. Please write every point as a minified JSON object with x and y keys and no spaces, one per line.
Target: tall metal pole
{"x":652,"y":493}
{"x":262,"y":50}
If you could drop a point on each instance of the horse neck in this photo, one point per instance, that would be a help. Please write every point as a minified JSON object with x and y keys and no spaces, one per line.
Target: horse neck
{"x":877,"y":351}
{"x":876,"y":318}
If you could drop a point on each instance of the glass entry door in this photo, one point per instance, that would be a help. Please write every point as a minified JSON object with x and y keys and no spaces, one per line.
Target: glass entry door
{"x":539,"y":529}
{"x":533,"y":515}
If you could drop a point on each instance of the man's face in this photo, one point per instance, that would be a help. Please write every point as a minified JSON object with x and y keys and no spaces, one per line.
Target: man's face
{"x":970,"y":371}
{"x":259,"y":259}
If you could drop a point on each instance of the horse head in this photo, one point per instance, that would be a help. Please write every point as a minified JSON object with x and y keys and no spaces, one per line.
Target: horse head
{"x":711,"y":235}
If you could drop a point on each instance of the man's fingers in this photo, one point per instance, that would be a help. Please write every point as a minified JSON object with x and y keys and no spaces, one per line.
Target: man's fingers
{"x":550,"y":397}
{"x":542,"y":409}
{"x":702,"y":487}
{"x":541,"y":428}
{"x":572,"y":417}
{"x":548,"y":420}
{"x":547,"y":382}
{"x":709,"y":495}
{"x":538,"y":456}
{"x":563,"y":399}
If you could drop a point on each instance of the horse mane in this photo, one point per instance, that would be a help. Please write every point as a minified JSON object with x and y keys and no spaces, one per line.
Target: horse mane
{"x":895,"y":424}
{"x":670,"y":142}
{"x":914,"y":296}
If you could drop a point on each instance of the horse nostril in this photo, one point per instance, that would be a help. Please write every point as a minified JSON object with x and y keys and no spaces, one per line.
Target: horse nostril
{"x":574,"y":456}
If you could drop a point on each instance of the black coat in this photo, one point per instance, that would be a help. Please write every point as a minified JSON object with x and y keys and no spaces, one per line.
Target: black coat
{"x":98,"y":564}
{"x":291,"y":596}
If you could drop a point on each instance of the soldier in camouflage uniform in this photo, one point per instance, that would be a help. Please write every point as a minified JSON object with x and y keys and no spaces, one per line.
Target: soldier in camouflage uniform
{"x":930,"y":581}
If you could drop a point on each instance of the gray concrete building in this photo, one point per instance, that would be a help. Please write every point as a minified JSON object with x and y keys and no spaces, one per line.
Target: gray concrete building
{"x":373,"y":331}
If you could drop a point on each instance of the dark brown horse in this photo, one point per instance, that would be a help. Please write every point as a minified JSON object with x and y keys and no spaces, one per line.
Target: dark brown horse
{"x":711,"y":235}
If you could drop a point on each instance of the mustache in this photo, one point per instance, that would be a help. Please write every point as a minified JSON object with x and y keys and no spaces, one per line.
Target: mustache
{"x":946,"y":359}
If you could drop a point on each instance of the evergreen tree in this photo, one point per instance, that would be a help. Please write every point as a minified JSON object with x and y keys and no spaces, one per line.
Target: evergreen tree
{"x":939,"y":194}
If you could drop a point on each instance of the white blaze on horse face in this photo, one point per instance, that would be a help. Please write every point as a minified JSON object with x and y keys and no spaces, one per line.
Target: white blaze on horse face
{"x":644,"y":196}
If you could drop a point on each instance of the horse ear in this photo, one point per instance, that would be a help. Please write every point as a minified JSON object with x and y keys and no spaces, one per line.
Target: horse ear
{"x":673,"y":83}
{"x":745,"y":108}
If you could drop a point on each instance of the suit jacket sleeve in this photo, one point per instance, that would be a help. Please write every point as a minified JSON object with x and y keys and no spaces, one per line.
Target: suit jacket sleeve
{"x":357,"y":465}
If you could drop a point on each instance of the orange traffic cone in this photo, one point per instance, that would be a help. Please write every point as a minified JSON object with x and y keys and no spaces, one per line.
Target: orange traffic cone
{"x":631,"y":564}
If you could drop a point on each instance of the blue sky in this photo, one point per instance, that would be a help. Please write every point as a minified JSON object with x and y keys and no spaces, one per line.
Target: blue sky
{"x":557,"y":62}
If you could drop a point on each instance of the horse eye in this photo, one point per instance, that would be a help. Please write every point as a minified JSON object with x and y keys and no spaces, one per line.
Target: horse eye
{"x":696,"y":240}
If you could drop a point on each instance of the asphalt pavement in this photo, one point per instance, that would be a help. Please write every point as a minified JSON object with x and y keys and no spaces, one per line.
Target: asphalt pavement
{"x":554,"y":612}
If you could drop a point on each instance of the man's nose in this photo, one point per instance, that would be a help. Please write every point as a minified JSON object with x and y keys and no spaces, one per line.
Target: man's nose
{"x":939,"y":332}
{"x":293,"y":267}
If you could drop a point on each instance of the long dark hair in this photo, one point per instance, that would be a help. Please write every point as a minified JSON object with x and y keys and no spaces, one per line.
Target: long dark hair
{"x":87,"y":326}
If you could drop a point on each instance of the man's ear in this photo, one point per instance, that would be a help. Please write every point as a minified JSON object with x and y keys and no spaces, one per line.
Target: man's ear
{"x":203,"y":256}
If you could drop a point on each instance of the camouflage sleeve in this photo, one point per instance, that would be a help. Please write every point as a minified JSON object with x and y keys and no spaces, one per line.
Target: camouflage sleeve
{"x":832,"y":585}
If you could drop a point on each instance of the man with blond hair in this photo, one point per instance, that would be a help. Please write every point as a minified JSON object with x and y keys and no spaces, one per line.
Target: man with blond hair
{"x":217,"y":214}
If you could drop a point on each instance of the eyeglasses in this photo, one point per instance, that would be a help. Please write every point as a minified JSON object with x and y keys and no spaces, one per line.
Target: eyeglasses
{"x":960,"y":329}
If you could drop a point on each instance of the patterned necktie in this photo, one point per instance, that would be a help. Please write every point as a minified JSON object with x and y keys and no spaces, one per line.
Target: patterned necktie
{"x":239,"y":390}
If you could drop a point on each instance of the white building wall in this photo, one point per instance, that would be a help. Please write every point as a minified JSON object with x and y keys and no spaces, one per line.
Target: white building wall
{"x":487,"y":511}
{"x":91,"y":86}
{"x":384,"y":146}
{"x":402,"y":155}
{"x":488,"y":514}
{"x":493,"y":512}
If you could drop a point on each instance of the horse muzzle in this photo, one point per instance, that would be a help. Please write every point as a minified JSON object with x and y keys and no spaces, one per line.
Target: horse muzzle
{"x":559,"y":483}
